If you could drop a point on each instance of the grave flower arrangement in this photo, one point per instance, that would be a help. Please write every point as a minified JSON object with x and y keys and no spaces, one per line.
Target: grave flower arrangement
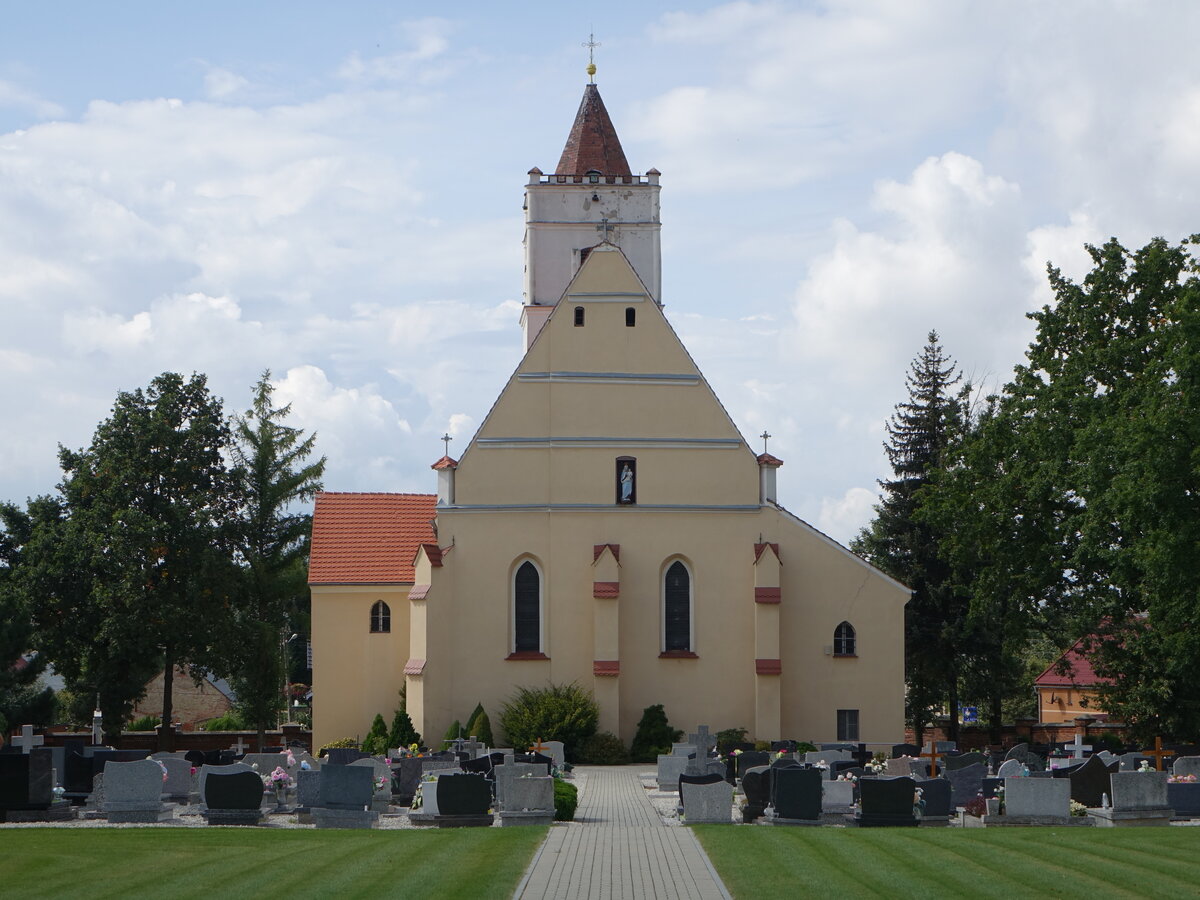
{"x":1078,"y":809}
{"x":1181,"y":779}
{"x":162,"y":766}
{"x":1145,"y":766}
{"x":853,"y":779}
{"x":277,"y":780}
{"x":418,"y":800}
{"x":381,"y":783}
{"x":877,"y":766}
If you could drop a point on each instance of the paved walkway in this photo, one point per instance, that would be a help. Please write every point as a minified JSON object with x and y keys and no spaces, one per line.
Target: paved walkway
{"x":619,"y":849}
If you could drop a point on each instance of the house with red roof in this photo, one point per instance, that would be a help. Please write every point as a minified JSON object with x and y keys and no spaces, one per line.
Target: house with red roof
{"x":1068,"y":688}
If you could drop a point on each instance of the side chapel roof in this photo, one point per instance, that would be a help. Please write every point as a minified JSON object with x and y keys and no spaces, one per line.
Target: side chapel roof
{"x":593,"y":144}
{"x":369,"y":538}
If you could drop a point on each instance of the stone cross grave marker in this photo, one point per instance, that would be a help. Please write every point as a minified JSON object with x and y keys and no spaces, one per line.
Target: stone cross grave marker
{"x":862,"y":755}
{"x":240,"y":747}
{"x":28,"y":740}
{"x":1077,"y":747}
{"x":540,"y":747}
{"x":703,"y":744}
{"x":1158,"y":752}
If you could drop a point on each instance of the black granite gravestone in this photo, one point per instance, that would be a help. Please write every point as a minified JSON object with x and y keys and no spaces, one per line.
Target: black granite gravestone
{"x":343,"y":756}
{"x":232,"y":790}
{"x":26,"y":780}
{"x":886,"y":802}
{"x":796,"y":793}
{"x":936,"y":794}
{"x":1089,"y":781}
{"x":962,"y":760}
{"x":756,"y":785}
{"x":463,"y":795}
{"x":899,"y":750}
{"x":749,"y":759}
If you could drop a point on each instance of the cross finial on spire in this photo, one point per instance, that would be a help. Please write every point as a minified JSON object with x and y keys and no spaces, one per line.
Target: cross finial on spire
{"x":446,"y":439}
{"x":591,"y":43}
{"x":765,"y":437}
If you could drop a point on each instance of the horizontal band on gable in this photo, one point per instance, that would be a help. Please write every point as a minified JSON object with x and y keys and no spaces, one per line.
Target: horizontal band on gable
{"x":607,"y":378}
{"x":509,"y":443}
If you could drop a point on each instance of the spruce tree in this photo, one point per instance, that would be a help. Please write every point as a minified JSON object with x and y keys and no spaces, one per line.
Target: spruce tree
{"x":903,"y":543}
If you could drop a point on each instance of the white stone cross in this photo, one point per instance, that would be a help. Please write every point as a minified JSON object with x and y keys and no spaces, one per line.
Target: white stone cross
{"x":240,"y":746}
{"x":28,"y":740}
{"x":1077,"y":747}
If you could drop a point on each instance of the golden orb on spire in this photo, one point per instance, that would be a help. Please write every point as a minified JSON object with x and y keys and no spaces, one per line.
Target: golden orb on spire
{"x":591,"y":43}
{"x":591,"y":70}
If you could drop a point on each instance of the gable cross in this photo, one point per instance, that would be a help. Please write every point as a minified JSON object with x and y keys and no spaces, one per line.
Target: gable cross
{"x":1158,"y":753}
{"x":605,"y":227}
{"x":28,"y":740}
{"x":765,"y":437}
{"x":446,"y":439}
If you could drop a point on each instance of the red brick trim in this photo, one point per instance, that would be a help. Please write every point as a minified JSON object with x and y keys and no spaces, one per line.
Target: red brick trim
{"x":768,"y":667}
{"x":677,"y":654}
{"x":418,"y":592}
{"x":527,"y":654}
{"x":414,"y":667}
{"x":597,"y":549}
{"x":759,"y":548}
{"x":767,"y":595}
{"x":606,"y":590}
{"x":606,"y":667}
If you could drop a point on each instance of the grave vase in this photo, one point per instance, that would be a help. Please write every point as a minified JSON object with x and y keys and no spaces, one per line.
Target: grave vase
{"x":280,"y":797}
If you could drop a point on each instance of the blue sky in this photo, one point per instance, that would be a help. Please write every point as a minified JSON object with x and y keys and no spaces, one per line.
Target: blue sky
{"x":334,"y":193}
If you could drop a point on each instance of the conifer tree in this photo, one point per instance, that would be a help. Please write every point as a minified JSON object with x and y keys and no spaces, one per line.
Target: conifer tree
{"x":906,"y":546}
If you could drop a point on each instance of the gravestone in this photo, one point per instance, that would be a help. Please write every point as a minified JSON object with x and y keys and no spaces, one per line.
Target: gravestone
{"x":133,"y":793}
{"x":343,"y":756}
{"x":991,"y":786}
{"x":231,"y":795}
{"x":1184,"y":798}
{"x":463,"y":801}
{"x":266,"y":763}
{"x":837,"y":801}
{"x":91,"y":809}
{"x":27,"y":788}
{"x":698,"y":764}
{"x":511,"y":770}
{"x":756,"y":785}
{"x":828,"y":757}
{"x":1036,"y":801}
{"x":707,"y":799}
{"x":556,"y":751}
{"x":1138,"y":799}
{"x":1024,"y":754}
{"x":527,"y":801}
{"x":382,"y":797}
{"x":937,"y":794}
{"x":899,"y":750}
{"x":180,"y":786}
{"x":343,"y":794}
{"x":785,"y":746}
{"x":898,"y":767}
{"x":1131,"y":761}
{"x":683,"y":749}
{"x":963,"y":760}
{"x":886,"y":802}
{"x":669,"y":769}
{"x":408,"y":776}
{"x":840,"y":745}
{"x":1089,"y":781}
{"x":1010,"y":767}
{"x":795,"y":796}
{"x":308,"y":794}
{"x":1186,"y":765}
{"x":750,"y":759}
{"x":966,"y":783}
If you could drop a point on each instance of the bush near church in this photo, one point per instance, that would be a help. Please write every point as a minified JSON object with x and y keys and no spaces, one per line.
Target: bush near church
{"x":558,"y":712}
{"x":604,"y":749}
{"x":566,"y":798}
{"x":654,"y":735}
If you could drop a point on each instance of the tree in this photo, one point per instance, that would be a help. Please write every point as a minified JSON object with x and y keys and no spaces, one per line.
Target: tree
{"x":908,"y":548}
{"x":22,"y":701}
{"x":274,"y":478}
{"x":654,"y":735}
{"x":129,"y":568}
{"x":375,"y":742}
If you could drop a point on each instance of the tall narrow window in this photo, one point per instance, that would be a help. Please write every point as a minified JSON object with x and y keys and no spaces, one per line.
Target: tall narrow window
{"x":626,"y":480}
{"x":677,"y":608}
{"x":630,"y":317}
{"x":579,"y":317}
{"x":527,"y":609}
{"x":847,"y":724}
{"x":381,"y":618}
{"x":843,"y":640}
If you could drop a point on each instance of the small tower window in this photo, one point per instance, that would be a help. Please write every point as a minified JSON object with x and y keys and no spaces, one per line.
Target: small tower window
{"x":381,"y":618}
{"x":843,"y":640}
{"x":630,"y":317}
{"x":626,"y":480}
{"x":579,"y":317}
{"x":593,"y":176}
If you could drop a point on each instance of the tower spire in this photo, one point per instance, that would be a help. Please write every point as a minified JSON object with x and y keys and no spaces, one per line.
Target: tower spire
{"x":592,"y":145}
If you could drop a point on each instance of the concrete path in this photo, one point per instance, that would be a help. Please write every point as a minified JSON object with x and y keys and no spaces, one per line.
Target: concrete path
{"x":618,"y":848}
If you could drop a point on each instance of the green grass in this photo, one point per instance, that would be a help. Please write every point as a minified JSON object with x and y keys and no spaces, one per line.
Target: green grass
{"x":952,"y":862}
{"x":248,"y":862}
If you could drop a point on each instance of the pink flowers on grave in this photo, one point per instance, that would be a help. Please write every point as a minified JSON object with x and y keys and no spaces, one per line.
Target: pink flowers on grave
{"x":164,"y":769}
{"x":291,"y":760}
{"x":1182,"y":779}
{"x":193,"y":770}
{"x":277,"y":779}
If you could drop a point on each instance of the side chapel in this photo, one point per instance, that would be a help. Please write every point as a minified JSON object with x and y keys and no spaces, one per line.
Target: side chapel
{"x":608,"y":525}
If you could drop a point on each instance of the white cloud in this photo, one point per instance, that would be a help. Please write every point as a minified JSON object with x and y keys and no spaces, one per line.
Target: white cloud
{"x":15,"y":96}
{"x":429,"y":42}
{"x":220,"y":84}
{"x":842,"y":517}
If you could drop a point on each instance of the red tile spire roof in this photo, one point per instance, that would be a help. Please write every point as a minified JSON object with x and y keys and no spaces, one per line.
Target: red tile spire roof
{"x":593,"y":144}
{"x":369,"y":538}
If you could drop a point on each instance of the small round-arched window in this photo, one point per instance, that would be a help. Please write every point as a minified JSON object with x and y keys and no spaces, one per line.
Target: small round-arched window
{"x":843,"y":640}
{"x":381,"y":618}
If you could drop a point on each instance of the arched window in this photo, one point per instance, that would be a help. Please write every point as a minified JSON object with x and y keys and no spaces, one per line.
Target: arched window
{"x":843,"y":640}
{"x":381,"y":618}
{"x":630,"y":317}
{"x":579,"y":317}
{"x":677,"y":608}
{"x":527,"y":609}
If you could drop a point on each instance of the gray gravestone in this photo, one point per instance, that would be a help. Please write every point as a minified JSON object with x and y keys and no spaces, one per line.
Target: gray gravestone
{"x":963,"y":760}
{"x":828,"y":757}
{"x":528,"y":800}
{"x":1186,"y":765}
{"x":180,"y":784}
{"x":1131,"y":761}
{"x":1010,"y":767}
{"x":837,"y":798}
{"x":133,"y":792}
{"x":308,"y":790}
{"x":556,"y":750}
{"x":966,"y":783}
{"x":1037,"y":801}
{"x":899,"y":767}
{"x":707,"y":804}
{"x":704,"y":745}
{"x":510,"y":771}
{"x":669,"y":770}
{"x":683,"y":749}
{"x":1138,"y":799}
{"x":343,"y":794}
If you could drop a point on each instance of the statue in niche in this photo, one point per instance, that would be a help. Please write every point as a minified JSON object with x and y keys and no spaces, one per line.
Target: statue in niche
{"x":626,"y":484}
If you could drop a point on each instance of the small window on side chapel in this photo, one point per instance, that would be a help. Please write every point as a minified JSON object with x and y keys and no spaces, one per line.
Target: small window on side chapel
{"x":630,"y":317}
{"x":626,"y":480}
{"x":847,"y":724}
{"x":381,"y":618}
{"x":579,"y":317}
{"x":843,"y":640}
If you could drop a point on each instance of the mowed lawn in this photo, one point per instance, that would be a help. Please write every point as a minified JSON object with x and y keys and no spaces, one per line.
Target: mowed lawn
{"x":955,"y":862}
{"x":248,"y":862}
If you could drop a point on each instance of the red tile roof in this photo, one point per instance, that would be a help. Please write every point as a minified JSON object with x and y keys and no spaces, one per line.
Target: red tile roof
{"x":768,"y":667}
{"x":414,"y":666}
{"x":1080,"y":674}
{"x":368,"y":538}
{"x":766,"y":459}
{"x":593,"y":143}
{"x":446,"y":462}
{"x":759,"y":548}
{"x":597,"y":549}
{"x":606,"y":667}
{"x":606,"y":590}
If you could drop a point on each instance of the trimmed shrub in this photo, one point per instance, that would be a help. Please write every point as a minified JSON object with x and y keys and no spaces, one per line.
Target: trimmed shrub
{"x":566,"y":798}
{"x":340,"y":742}
{"x":145,"y":723}
{"x":558,"y":712}
{"x":481,"y":727}
{"x":762,"y":745}
{"x":604,"y":749}
{"x":402,"y":733}
{"x":805,"y":747}
{"x":231,"y":721}
{"x":654,"y":735}
{"x":453,"y":733}
{"x":727,"y":736}
{"x":375,"y":742}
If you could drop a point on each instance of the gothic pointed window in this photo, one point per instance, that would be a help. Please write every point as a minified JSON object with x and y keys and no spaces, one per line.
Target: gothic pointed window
{"x":527,"y":609}
{"x":844,"y":640}
{"x":677,"y":609}
{"x":381,"y":618}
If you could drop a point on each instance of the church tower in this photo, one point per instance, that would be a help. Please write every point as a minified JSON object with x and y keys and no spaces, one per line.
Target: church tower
{"x":591,"y":197}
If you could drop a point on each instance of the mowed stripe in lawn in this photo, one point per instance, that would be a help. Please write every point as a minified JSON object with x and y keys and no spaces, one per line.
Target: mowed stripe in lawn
{"x":192,"y":862}
{"x":943,"y":862}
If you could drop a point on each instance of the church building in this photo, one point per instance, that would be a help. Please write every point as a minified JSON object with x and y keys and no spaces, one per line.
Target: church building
{"x":608,"y":525}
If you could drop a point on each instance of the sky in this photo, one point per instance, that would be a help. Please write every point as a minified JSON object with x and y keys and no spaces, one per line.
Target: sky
{"x":333,"y":193}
